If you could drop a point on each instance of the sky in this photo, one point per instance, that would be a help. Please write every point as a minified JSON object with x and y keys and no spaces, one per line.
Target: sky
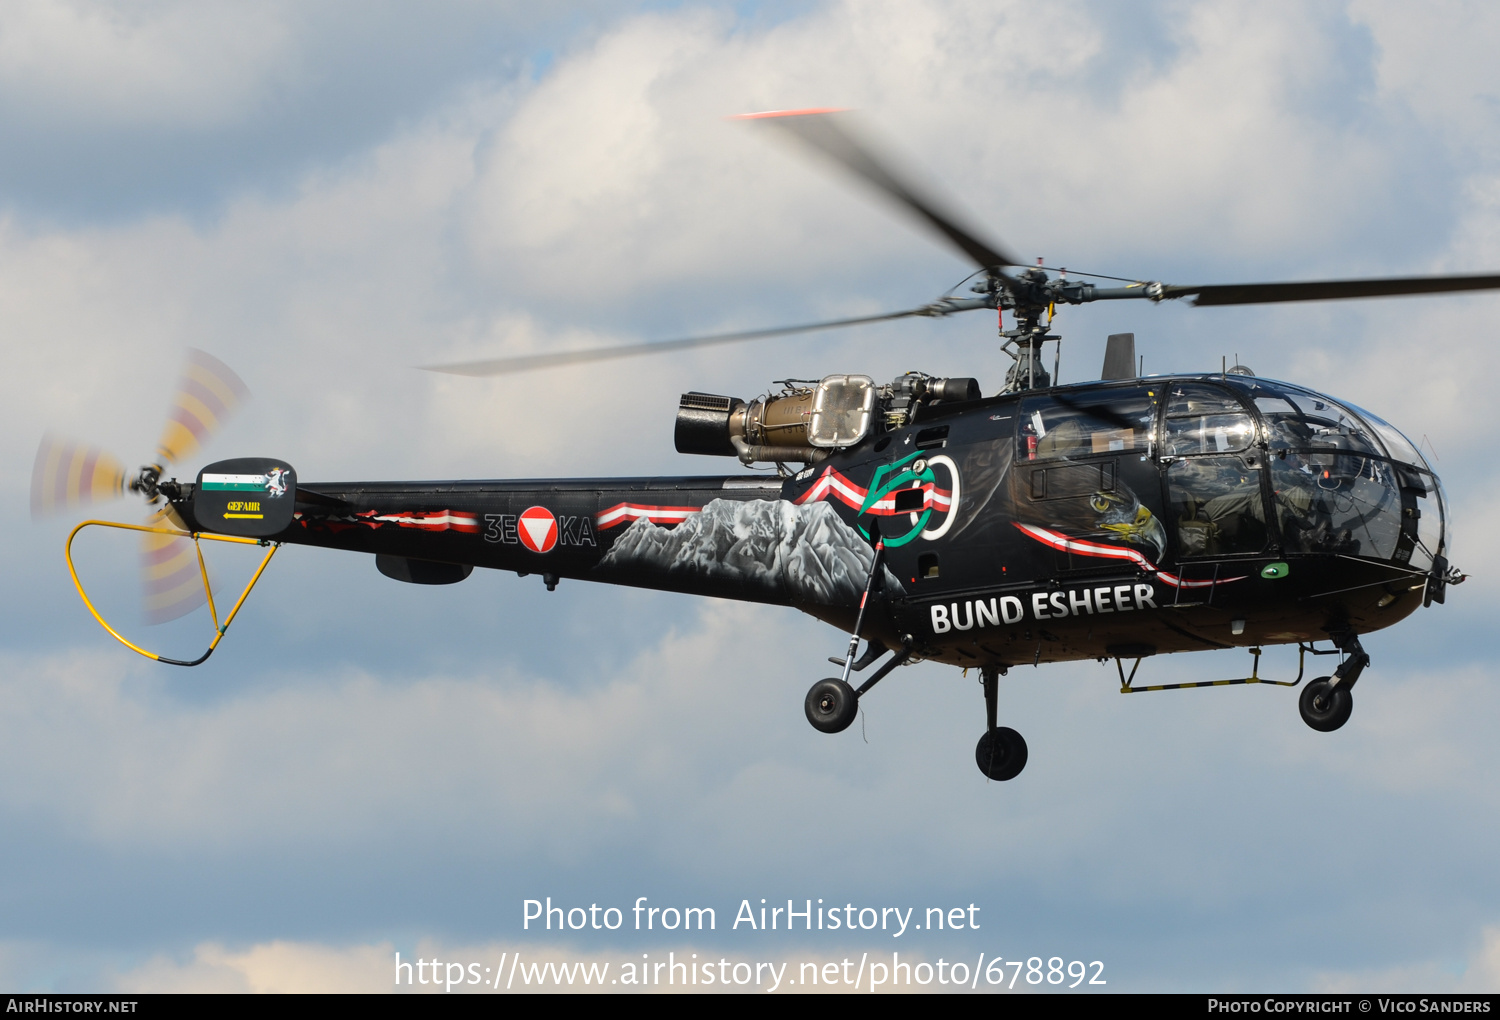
{"x":326,"y":196}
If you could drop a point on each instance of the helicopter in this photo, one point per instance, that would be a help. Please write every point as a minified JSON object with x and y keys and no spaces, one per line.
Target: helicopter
{"x":1121,"y":518}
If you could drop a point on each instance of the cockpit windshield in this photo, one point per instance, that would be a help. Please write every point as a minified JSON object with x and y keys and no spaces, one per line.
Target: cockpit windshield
{"x":1335,"y":479}
{"x":1300,"y":419}
{"x":1399,"y":446}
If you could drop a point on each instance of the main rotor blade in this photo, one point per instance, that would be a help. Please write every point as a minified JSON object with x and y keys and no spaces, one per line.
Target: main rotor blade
{"x":1328,"y":290}
{"x":528,"y":362}
{"x":828,"y":131}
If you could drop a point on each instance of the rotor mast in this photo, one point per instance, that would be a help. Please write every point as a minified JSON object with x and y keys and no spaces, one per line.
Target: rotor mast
{"x":1032,"y":294}
{"x":1028,"y":299}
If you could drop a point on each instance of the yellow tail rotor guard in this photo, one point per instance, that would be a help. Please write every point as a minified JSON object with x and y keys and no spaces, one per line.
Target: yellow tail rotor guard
{"x":219,"y":629}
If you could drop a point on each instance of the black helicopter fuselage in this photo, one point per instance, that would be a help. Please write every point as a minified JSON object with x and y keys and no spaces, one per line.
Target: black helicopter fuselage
{"x":1101,"y":520}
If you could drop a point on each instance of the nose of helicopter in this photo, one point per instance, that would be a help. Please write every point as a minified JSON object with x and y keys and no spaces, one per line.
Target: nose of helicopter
{"x":1346,"y":481}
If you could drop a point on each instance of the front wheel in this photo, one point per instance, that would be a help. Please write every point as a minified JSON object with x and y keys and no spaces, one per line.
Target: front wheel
{"x":1323,"y":709}
{"x":1001,"y":753}
{"x":831,"y":706}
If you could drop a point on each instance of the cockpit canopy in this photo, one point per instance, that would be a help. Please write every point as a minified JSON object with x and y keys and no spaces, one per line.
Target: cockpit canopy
{"x":1253,"y":465}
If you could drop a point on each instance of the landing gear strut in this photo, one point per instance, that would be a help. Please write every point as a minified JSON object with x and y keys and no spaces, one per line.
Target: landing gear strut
{"x":1001,"y":753}
{"x":1326,"y":702}
{"x":831,"y":705}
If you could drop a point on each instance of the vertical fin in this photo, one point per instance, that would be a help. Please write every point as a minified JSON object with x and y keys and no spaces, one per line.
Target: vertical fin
{"x":1119,"y":357}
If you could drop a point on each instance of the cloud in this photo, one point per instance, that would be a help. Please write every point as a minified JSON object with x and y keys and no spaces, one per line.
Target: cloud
{"x":350,"y":742}
{"x":118,"y":111}
{"x":273,"y":968}
{"x":1233,"y":140}
{"x":689,"y":757}
{"x":1479,"y":972}
{"x":1435,"y":72}
{"x":611,"y":201}
{"x":500,"y":967}
{"x":178,"y":64}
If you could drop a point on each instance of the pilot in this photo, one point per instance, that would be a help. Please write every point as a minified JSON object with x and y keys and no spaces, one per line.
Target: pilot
{"x":1237,"y":517}
{"x":1298,"y":511}
{"x":1296,"y":496}
{"x":1305,"y":519}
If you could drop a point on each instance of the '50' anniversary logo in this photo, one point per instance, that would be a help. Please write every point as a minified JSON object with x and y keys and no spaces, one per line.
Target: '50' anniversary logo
{"x":914,"y":473}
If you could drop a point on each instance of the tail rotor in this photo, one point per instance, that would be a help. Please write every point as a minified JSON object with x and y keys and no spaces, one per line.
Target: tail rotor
{"x":68,"y":475}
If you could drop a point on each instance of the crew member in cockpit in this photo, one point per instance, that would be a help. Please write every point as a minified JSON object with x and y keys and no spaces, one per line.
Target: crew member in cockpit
{"x":1298,"y":513}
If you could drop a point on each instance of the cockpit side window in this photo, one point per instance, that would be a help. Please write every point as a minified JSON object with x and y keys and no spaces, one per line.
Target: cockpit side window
{"x":1074,"y":426}
{"x":1189,"y":399}
{"x":1217,"y":505}
{"x":1213,"y":478}
{"x":1205,"y":419}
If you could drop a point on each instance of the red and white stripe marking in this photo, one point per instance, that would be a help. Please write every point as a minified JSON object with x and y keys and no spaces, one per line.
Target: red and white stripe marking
{"x":627,"y":513}
{"x":832,"y":483}
{"x":1115,"y":552}
{"x":437,"y":520}
{"x":933,"y":498}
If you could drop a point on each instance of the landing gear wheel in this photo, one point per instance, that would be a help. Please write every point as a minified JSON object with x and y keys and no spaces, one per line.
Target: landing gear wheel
{"x":1325,"y":710}
{"x":831,"y":706}
{"x":1001,"y":753}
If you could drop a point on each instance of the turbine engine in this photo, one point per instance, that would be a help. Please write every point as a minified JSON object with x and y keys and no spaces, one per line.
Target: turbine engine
{"x":808,"y":420}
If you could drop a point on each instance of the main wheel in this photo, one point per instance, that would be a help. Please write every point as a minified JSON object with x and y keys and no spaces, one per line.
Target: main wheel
{"x":1001,"y":753}
{"x":1325,"y":710}
{"x":831,"y":706}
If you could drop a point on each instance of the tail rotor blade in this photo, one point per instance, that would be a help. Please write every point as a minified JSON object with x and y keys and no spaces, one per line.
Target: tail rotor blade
{"x":207,"y":395}
{"x":171,"y":583}
{"x":68,"y":474}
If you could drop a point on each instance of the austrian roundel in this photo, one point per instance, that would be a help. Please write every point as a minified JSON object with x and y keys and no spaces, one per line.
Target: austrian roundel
{"x":538,"y":529}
